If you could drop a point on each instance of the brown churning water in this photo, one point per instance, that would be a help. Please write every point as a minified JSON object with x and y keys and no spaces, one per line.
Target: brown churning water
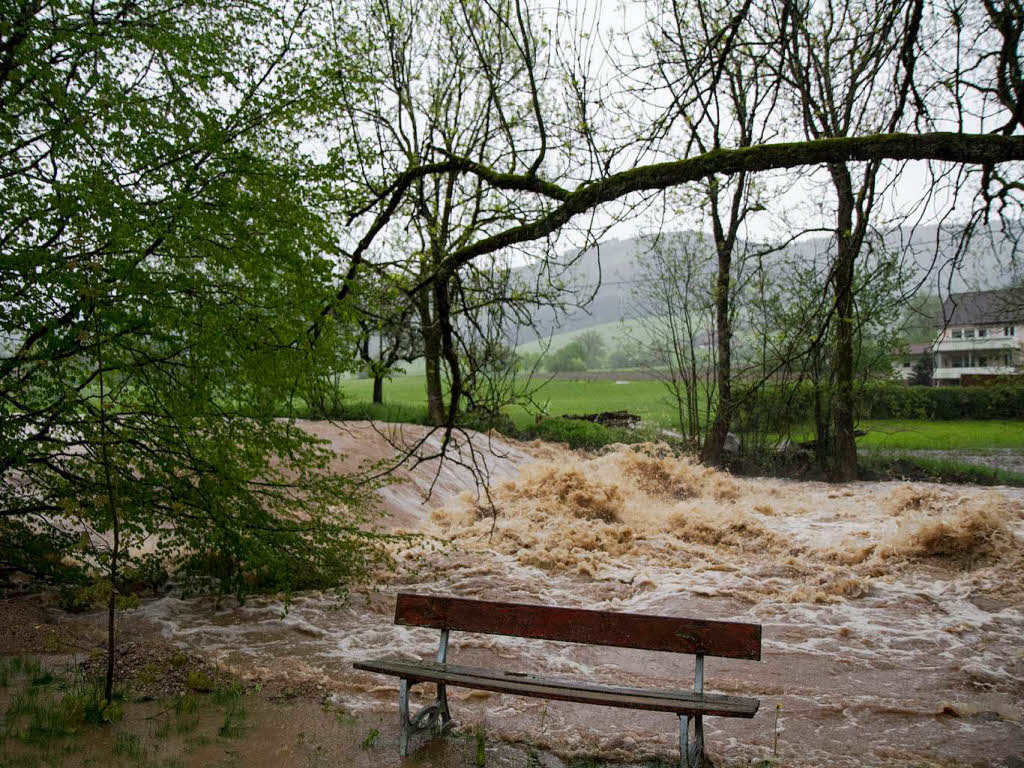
{"x":893,"y":613}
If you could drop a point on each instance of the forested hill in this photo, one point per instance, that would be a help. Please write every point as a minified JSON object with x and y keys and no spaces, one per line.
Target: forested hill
{"x":611,"y":268}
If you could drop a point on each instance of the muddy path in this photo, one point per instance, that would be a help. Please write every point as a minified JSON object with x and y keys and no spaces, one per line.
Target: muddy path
{"x":893,"y":614}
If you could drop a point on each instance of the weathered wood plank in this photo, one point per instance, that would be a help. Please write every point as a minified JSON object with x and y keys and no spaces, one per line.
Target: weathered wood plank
{"x":576,"y":625}
{"x":525,"y":677}
{"x":680,"y":702}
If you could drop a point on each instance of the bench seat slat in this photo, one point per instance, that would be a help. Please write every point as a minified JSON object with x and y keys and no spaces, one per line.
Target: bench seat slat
{"x":682,"y":702}
{"x":577,"y":625}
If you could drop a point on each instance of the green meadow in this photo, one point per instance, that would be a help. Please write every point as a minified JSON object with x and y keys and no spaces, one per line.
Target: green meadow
{"x":404,"y":401}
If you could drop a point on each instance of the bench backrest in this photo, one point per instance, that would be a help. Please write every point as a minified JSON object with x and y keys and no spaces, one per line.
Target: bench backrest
{"x":576,"y":625}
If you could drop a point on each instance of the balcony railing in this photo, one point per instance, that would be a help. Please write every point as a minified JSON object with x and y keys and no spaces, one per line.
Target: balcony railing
{"x":989,"y":342}
{"x":987,"y":370}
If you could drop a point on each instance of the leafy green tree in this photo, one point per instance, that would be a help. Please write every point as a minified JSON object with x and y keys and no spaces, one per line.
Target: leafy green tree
{"x":572,"y":357}
{"x":924,"y":370}
{"x":161,"y":260}
{"x":623,"y":357}
{"x":593,"y":348}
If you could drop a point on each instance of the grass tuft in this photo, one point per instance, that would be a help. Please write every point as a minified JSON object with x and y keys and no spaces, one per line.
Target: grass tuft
{"x":234,"y":720}
{"x":480,"y":758}
{"x":370,"y":740}
{"x":129,"y":745}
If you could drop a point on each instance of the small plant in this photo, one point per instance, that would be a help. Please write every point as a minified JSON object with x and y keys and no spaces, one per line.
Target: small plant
{"x":185,"y":704}
{"x":53,"y":643}
{"x":149,"y":674}
{"x":480,"y":758}
{"x":163,"y":729}
{"x":370,"y":740}
{"x":129,"y":745}
{"x":21,"y":703}
{"x":185,"y":719}
{"x":227,"y":693}
{"x":234,"y":721}
{"x":43,"y":677}
{"x":345,"y":717}
{"x":199,"y":681}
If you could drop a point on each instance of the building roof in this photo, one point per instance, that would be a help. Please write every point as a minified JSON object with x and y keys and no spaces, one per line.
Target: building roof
{"x":984,"y":307}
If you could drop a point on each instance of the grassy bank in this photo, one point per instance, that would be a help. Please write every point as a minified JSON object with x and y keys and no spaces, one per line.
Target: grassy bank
{"x":890,"y":466}
{"x":404,"y":397}
{"x":559,"y":397}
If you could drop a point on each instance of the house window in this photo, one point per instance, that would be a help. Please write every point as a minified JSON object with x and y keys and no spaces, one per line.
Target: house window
{"x":1009,"y":330}
{"x":982,"y":333}
{"x":958,"y":362}
{"x":969,"y":333}
{"x":958,"y":334}
{"x":982,"y":362}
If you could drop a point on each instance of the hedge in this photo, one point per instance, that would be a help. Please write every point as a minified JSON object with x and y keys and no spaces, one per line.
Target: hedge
{"x":773,"y":408}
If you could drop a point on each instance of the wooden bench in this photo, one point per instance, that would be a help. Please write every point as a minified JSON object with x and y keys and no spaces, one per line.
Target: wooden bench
{"x":624,"y":630}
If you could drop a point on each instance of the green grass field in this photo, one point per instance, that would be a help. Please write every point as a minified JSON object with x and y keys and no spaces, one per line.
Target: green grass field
{"x":648,"y":399}
{"x":975,"y":436}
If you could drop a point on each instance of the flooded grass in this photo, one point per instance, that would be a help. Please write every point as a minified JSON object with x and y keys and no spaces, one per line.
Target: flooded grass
{"x":43,"y":724}
{"x":54,"y":716}
{"x":904,"y":466}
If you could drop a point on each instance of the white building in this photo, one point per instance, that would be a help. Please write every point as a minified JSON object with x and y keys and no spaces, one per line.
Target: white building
{"x":983,"y":335}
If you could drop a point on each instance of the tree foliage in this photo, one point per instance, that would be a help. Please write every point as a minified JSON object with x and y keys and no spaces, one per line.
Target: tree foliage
{"x":161,"y":259}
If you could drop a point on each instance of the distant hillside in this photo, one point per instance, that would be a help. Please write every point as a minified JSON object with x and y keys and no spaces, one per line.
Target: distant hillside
{"x":611,"y":269}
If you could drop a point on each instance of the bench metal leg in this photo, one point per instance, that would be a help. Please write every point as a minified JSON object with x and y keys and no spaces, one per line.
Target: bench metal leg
{"x":442,"y":705}
{"x":424,"y":720}
{"x":403,"y":717}
{"x":691,"y":755}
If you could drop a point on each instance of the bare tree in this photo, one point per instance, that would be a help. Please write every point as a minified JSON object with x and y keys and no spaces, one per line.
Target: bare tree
{"x":711,"y":58}
{"x":675,"y":308}
{"x":849,"y":69}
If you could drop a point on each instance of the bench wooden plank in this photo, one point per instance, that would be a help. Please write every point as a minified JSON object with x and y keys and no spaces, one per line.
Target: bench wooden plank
{"x":576,"y":625}
{"x":680,"y":702}
{"x":741,"y":702}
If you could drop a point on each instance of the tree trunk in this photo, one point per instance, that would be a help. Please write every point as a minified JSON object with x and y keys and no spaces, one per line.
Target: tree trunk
{"x":447,"y":334}
{"x":712,"y":453}
{"x":108,"y":687}
{"x":844,"y":446}
{"x":378,"y":389}
{"x":432,"y":362}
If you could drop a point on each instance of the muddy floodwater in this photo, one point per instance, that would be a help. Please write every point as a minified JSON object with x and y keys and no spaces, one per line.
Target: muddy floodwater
{"x":893,"y":630}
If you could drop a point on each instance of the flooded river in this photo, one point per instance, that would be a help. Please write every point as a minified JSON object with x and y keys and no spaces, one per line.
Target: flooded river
{"x":892,"y":613}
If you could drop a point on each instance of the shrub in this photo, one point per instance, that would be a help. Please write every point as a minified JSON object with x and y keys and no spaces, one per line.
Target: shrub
{"x":771,"y":408}
{"x":588,"y":435}
{"x":576,"y":432}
